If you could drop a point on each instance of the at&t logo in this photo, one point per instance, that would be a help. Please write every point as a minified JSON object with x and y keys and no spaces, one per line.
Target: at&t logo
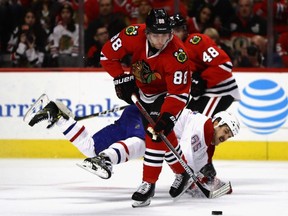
{"x":264,"y":106}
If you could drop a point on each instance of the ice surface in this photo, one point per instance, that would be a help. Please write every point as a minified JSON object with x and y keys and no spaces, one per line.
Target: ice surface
{"x":58,"y":187}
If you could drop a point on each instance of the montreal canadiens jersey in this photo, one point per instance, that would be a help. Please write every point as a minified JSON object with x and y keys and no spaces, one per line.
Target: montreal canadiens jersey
{"x":213,"y":64}
{"x":166,"y":71}
{"x":195,"y":132}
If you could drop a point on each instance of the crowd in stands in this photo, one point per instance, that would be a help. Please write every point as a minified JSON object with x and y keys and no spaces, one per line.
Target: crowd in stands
{"x":45,"y":33}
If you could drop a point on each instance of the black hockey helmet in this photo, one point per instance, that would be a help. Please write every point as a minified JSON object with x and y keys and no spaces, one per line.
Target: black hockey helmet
{"x":158,"y":22}
{"x":177,"y":20}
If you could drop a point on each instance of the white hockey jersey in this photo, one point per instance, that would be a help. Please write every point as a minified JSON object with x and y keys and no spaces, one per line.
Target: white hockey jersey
{"x":194,"y":132}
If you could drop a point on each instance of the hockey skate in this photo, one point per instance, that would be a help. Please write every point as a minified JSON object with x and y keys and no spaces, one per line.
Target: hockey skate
{"x":50,"y":112}
{"x":41,"y":102}
{"x":99,"y":165}
{"x":142,"y":197}
{"x":181,"y":183}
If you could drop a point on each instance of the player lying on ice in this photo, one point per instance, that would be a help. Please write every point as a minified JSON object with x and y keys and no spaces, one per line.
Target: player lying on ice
{"x":124,"y":140}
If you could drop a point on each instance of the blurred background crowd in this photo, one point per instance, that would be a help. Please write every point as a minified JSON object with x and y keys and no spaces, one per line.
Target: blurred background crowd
{"x":58,"y":33}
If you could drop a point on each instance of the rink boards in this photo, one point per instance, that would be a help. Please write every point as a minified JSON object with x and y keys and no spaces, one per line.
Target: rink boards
{"x":86,"y":92}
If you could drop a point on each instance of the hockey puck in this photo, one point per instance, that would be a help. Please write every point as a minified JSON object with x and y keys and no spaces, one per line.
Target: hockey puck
{"x":216,"y":212}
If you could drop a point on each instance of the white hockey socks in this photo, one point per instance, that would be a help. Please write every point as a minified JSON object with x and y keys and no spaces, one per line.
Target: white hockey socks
{"x":124,"y":150}
{"x":77,"y":135}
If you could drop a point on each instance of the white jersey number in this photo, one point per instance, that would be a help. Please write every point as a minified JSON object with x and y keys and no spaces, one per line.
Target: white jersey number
{"x":195,"y":142}
{"x":210,"y":54}
{"x":180,"y":77}
{"x":116,"y":42}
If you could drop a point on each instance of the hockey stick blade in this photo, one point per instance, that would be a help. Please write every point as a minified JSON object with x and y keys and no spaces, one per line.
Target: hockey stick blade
{"x":116,"y":109}
{"x":189,"y":171}
{"x":224,"y":189}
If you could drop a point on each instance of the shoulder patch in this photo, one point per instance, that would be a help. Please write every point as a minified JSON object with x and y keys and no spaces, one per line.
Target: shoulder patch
{"x":131,"y":30}
{"x":195,"y":40}
{"x":180,"y":55}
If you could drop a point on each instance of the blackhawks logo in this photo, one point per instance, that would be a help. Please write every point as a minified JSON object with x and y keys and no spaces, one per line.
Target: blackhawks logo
{"x":195,"y":40}
{"x":143,"y":72}
{"x":180,"y":55}
{"x":131,"y":30}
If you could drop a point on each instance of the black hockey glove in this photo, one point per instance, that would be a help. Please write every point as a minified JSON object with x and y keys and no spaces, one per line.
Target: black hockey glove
{"x":198,"y":85}
{"x":164,"y":123}
{"x":125,"y":86}
{"x":208,"y":171}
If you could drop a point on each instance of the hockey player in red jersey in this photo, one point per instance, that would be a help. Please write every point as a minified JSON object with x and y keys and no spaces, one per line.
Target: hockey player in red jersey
{"x":213,"y":86}
{"x":162,"y":76}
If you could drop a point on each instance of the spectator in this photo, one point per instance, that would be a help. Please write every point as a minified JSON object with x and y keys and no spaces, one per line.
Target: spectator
{"x":143,"y":9}
{"x":171,"y":6}
{"x":64,"y":41}
{"x":203,"y":19}
{"x":282,"y":48}
{"x":246,"y":53}
{"x":221,"y":10}
{"x":11,"y":13}
{"x":47,"y":11}
{"x":280,"y":13}
{"x":129,"y":8}
{"x":261,"y":44}
{"x":91,"y":11}
{"x":245,"y":22}
{"x":114,"y":22}
{"x":135,"y":10}
{"x":101,"y":36}
{"x":27,"y":42}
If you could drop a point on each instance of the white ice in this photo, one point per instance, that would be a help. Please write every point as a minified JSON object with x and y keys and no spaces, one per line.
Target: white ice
{"x":59,"y":187}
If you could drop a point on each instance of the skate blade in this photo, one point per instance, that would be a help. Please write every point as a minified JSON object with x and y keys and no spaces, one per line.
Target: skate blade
{"x":99,"y":171}
{"x":186,"y":187}
{"x":41,"y":102}
{"x":137,"y":204}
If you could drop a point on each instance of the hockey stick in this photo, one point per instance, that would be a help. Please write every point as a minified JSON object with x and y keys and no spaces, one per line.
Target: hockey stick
{"x":79,"y":118}
{"x":190,"y":172}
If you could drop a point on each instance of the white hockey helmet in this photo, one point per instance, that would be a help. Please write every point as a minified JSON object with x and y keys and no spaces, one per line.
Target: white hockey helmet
{"x":229,"y":119}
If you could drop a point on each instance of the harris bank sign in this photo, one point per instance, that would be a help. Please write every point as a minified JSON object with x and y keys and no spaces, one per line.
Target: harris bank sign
{"x":13,"y":110}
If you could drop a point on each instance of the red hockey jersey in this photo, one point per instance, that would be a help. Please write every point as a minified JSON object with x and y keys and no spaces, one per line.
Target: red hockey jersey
{"x":167,"y":71}
{"x":213,"y":64}
{"x":205,"y":54}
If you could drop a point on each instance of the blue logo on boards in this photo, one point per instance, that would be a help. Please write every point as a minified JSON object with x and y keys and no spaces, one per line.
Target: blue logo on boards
{"x":264,"y":106}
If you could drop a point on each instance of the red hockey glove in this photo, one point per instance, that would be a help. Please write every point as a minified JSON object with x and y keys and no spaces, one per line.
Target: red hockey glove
{"x":125,"y":86}
{"x":198,"y":86}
